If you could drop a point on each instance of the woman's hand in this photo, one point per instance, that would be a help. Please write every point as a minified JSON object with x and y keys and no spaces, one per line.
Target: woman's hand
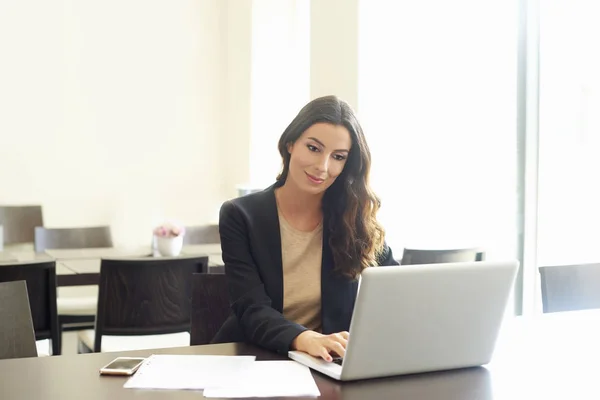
{"x":319,"y":345}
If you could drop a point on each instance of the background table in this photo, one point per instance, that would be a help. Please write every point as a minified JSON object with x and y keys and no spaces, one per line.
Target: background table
{"x":75,"y":267}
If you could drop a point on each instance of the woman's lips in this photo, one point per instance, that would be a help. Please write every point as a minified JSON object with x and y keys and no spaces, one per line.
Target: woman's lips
{"x":314,"y":179}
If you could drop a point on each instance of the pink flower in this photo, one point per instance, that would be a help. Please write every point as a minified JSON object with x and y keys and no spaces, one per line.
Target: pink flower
{"x":169,"y":230}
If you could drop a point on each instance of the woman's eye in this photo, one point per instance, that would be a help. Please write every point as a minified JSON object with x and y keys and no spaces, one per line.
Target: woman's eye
{"x":339,"y":157}
{"x":312,"y":148}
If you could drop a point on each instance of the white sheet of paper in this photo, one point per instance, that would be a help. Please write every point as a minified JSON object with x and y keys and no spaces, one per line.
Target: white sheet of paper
{"x":189,"y":371}
{"x":269,"y":379}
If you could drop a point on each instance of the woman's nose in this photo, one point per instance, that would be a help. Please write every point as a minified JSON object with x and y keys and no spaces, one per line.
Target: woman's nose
{"x":323,"y":164}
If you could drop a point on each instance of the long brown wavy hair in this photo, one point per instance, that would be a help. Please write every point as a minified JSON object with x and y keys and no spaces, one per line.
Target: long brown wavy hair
{"x":349,"y":205}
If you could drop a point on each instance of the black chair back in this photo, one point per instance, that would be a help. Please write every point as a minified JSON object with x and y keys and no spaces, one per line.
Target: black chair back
{"x":210,"y":307}
{"x":41,"y":287}
{"x":145,"y":296}
{"x":570,"y":287}
{"x":72,"y":238}
{"x":415,"y":256}
{"x":16,"y":328}
{"x":19,"y":223}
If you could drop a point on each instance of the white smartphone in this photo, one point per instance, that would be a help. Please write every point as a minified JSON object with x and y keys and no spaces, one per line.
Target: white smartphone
{"x":122,"y":366}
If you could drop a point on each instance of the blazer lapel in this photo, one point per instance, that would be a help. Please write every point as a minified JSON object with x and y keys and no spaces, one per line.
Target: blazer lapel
{"x":271,"y":234}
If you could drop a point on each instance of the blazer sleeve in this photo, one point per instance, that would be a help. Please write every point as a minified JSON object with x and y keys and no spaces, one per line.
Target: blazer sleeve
{"x":386,"y":258}
{"x":261,"y":323}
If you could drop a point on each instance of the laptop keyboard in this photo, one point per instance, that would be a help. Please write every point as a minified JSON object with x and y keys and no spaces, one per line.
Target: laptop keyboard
{"x":338,"y":360}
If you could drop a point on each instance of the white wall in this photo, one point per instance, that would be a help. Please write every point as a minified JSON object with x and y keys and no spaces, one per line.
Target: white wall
{"x":334,"y":49}
{"x":111,"y":112}
{"x":235,"y":140}
{"x":280,"y":73}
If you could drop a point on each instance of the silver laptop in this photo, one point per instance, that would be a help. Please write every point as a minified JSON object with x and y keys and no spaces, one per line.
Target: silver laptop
{"x":420,"y":318}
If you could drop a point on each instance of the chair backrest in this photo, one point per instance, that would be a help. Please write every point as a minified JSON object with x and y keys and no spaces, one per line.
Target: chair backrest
{"x":40,"y":278}
{"x":206,"y":234}
{"x":19,"y":223}
{"x":210,"y":307}
{"x":72,"y":238}
{"x":16,"y":329}
{"x":145,"y":296}
{"x":414,"y":256}
{"x":570,"y":287}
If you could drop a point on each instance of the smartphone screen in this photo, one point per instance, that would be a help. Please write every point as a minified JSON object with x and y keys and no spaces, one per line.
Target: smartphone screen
{"x":122,"y":366}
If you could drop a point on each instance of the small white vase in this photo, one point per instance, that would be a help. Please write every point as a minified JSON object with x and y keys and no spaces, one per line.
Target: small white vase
{"x":169,"y":247}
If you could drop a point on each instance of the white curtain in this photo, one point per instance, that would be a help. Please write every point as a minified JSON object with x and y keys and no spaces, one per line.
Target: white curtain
{"x":437,"y":98}
{"x":569,"y":170}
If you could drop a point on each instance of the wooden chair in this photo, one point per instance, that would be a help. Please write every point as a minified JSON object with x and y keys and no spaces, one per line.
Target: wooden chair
{"x":19,"y":223}
{"x":570,"y":287}
{"x":40,"y":277}
{"x":16,"y":328}
{"x":415,"y":256}
{"x":206,"y":234}
{"x":143,"y":303}
{"x":72,"y":238}
{"x":76,"y":305}
{"x":210,"y":307}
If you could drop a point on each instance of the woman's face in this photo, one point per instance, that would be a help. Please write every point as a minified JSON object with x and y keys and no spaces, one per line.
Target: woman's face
{"x":318,"y":157}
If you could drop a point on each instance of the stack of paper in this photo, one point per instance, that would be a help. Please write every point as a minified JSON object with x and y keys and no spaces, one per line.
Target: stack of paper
{"x":187,"y":372}
{"x":269,"y":379}
{"x":225,"y":376}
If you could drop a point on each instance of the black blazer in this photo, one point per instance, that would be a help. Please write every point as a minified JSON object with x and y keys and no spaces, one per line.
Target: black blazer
{"x":251,"y":245}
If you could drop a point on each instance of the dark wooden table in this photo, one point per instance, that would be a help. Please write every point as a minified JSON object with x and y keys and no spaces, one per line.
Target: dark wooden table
{"x":76,"y":377}
{"x":550,"y":357}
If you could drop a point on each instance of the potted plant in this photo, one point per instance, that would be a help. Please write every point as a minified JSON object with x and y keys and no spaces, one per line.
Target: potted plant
{"x":169,"y":239}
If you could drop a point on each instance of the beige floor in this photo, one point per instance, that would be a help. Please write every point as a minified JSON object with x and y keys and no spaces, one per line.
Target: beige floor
{"x":69,"y":343}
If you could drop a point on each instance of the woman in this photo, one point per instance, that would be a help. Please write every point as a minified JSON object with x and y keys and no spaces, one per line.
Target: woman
{"x":293,"y":252}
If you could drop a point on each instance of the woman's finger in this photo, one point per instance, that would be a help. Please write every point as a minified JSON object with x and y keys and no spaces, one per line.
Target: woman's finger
{"x":345,"y":335}
{"x":324,"y":354}
{"x":340,"y":339}
{"x":337,"y":348}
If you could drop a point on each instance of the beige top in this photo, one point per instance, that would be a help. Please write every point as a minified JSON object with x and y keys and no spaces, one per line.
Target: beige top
{"x":301,"y":256}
